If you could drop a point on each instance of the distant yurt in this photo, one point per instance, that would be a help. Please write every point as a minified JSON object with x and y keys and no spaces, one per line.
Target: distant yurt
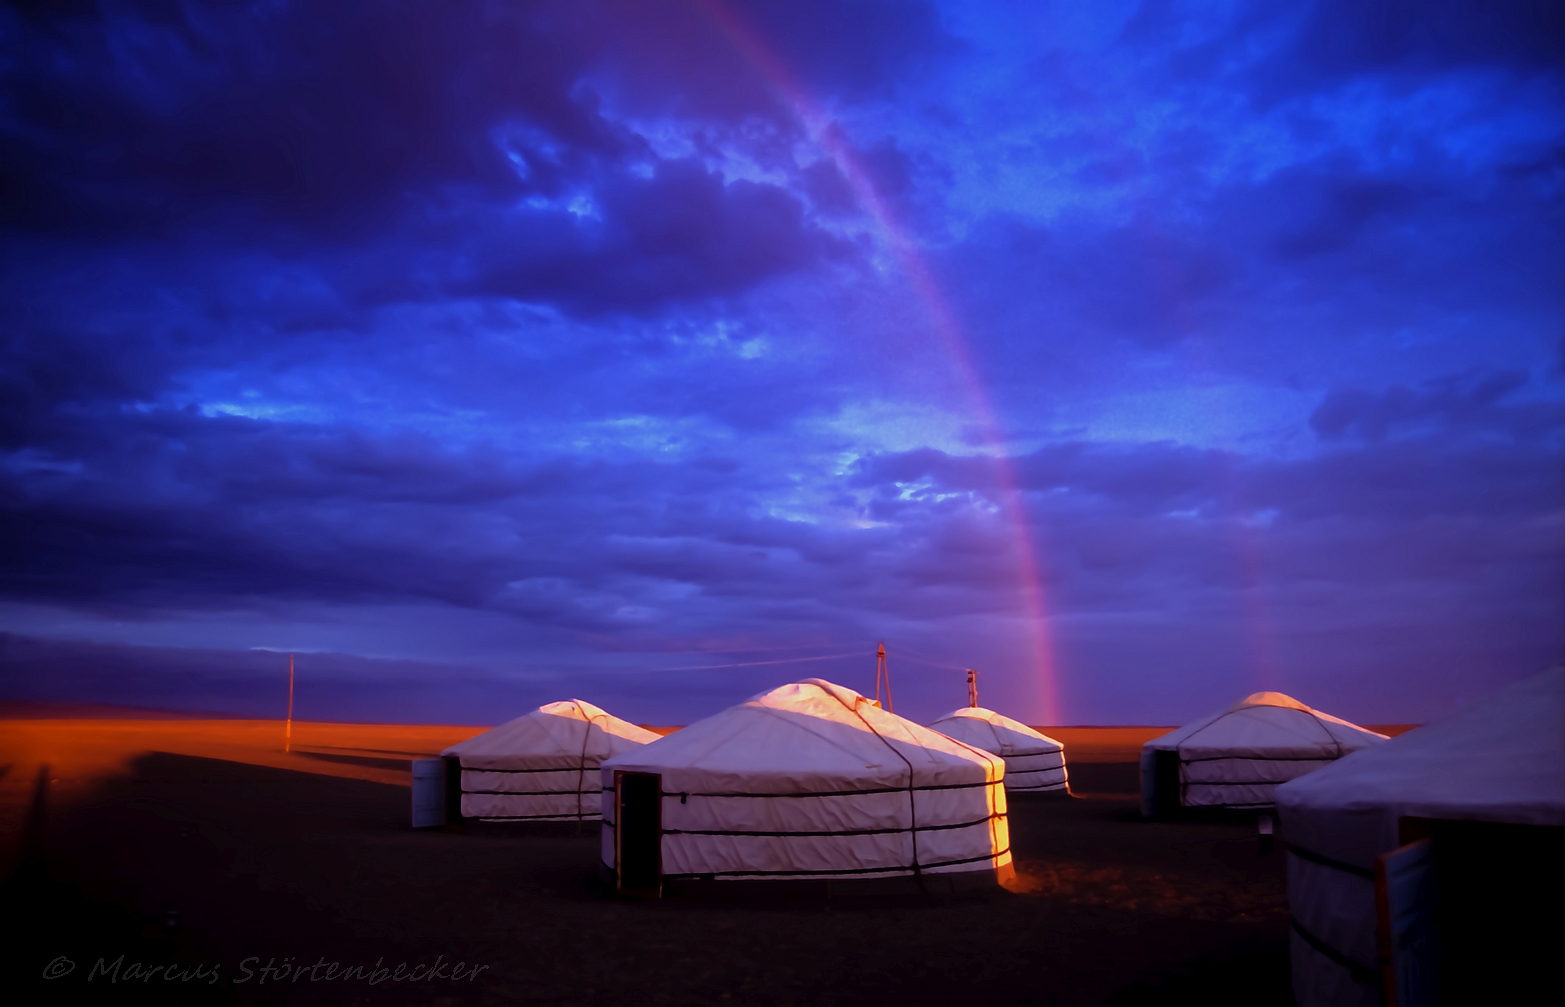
{"x":1237,"y":757}
{"x":1429,"y":867}
{"x":808,"y":781}
{"x":1034,"y":762}
{"x":542,"y":766}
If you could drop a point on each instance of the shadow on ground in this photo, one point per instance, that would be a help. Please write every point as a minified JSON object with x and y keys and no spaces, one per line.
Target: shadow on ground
{"x":66,"y":944}
{"x":266,"y":865}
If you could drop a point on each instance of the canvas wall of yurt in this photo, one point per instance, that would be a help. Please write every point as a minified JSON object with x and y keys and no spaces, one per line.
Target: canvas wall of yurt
{"x":1427,"y":870}
{"x":809,"y":781}
{"x":542,"y":766}
{"x":1034,"y":762}
{"x":1236,"y":758}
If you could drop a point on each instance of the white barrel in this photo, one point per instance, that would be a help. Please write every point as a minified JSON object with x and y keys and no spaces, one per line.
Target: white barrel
{"x":429,"y":793}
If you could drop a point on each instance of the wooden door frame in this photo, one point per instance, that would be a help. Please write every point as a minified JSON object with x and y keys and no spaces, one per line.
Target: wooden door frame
{"x":619,"y":820}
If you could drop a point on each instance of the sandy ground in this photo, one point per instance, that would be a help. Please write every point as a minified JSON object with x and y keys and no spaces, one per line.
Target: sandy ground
{"x":83,"y":753}
{"x":1103,"y":744}
{"x":201,"y":844}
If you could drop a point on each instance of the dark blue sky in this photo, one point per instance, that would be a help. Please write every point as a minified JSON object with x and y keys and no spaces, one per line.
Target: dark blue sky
{"x":1138,"y":355}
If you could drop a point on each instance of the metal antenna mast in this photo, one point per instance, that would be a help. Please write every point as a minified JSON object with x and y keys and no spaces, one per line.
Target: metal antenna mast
{"x":972,"y":687}
{"x":882,"y":674}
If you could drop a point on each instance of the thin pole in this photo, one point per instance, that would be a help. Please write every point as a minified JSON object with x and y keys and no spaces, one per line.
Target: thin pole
{"x":882,"y":671}
{"x":972,"y":687}
{"x":288,"y":732}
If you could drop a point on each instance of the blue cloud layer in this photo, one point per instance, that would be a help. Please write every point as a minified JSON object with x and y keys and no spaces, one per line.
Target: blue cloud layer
{"x":546,"y":347}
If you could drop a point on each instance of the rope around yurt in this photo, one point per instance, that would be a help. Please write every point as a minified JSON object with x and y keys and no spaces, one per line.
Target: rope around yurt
{"x":581,"y":765}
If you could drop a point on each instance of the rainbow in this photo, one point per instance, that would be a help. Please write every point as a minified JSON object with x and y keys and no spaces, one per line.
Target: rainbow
{"x":941,"y":316}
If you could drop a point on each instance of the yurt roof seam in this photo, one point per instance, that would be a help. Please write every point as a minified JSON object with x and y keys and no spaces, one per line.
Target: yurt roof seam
{"x":979,"y":751}
{"x":586,"y":738}
{"x":1335,"y":741}
{"x":993,"y":733}
{"x":912,"y":803}
{"x":885,"y":741}
{"x":808,"y":728}
{"x":1032,"y":735}
{"x":1345,"y":736}
{"x":1230,"y":713}
{"x":909,"y":739}
{"x":795,"y":739}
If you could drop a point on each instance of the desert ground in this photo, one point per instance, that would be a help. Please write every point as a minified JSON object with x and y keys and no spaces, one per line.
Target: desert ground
{"x":201,"y":847}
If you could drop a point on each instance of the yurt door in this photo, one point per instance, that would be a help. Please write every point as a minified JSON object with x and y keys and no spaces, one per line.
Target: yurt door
{"x":1407,"y":904}
{"x":453,"y":790}
{"x":638,"y":834}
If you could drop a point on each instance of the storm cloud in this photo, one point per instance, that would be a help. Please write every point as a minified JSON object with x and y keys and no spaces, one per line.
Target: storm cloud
{"x":662,"y":351}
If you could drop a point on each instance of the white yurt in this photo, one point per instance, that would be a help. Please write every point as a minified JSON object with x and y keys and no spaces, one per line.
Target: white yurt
{"x":1236,"y":757}
{"x":1487,"y":787}
{"x":542,"y":766}
{"x":808,"y":781}
{"x":1034,"y":762}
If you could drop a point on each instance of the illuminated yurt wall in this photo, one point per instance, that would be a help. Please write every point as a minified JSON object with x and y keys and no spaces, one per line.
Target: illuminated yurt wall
{"x":542,"y":766}
{"x":1034,"y":762}
{"x":1236,"y":757}
{"x":1440,"y":847}
{"x":808,"y":781}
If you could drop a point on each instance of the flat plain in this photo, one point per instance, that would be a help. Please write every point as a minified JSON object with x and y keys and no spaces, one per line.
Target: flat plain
{"x":201,"y":844}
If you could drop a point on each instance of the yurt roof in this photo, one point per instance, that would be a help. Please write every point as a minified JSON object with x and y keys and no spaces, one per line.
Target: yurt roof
{"x":1267,"y":723}
{"x":1501,"y":760}
{"x":994,"y":732}
{"x":810,"y":735}
{"x":564,"y":731}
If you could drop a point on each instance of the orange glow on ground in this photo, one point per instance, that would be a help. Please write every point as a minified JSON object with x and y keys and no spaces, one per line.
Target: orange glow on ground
{"x":80,"y":753}
{"x":1103,"y":744}
{"x":310,"y":852}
